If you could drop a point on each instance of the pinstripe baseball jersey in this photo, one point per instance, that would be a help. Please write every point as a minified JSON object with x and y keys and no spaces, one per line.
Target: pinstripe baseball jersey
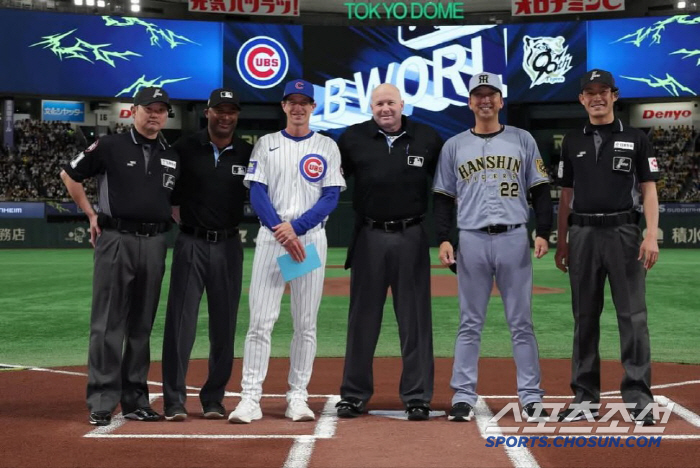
{"x":489,"y":177}
{"x":295,"y":170}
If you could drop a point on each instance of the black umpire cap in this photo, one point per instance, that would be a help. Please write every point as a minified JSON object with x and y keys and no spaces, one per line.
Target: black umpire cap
{"x":152,"y":94}
{"x":598,"y":76}
{"x":224,"y":96}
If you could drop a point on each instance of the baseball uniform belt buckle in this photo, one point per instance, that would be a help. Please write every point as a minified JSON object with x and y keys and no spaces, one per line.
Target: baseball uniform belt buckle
{"x":147,"y":230}
{"x":212,"y":236}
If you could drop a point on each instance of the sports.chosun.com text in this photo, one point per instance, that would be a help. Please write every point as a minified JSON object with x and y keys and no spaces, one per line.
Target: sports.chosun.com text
{"x":573,"y":441}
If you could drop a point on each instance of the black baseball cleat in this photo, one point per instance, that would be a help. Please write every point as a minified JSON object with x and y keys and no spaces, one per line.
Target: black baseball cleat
{"x":175,"y":413}
{"x":100,"y":418}
{"x":213,"y":410}
{"x":418,"y":410}
{"x":646,"y":420}
{"x":143,"y":414}
{"x":461,"y":412}
{"x":535,"y":412}
{"x":572,"y":414}
{"x":350,"y":407}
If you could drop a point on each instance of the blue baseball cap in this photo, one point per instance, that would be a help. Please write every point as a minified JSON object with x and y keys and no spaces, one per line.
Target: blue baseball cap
{"x":299,"y":87}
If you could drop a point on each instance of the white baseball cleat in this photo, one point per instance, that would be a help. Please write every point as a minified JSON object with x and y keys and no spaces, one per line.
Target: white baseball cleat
{"x":246,"y":412}
{"x":299,"y":411}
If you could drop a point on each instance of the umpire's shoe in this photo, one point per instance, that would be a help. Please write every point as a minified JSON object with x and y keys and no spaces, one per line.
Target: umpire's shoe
{"x":143,"y":414}
{"x":418,"y":410}
{"x":175,"y":413}
{"x":461,"y":412}
{"x":213,"y":410}
{"x":100,"y":418}
{"x":646,"y":420}
{"x":350,"y":407}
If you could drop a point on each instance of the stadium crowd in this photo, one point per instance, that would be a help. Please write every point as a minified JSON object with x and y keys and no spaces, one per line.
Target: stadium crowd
{"x":29,"y":171}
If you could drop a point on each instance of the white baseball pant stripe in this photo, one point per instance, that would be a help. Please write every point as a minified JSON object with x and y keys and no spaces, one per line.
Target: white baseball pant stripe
{"x":266,"y":289}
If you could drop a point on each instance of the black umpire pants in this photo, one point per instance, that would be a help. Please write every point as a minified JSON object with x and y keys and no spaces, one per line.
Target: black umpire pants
{"x":126,"y":289}
{"x":594,"y":254}
{"x":218,"y":267}
{"x":400,"y":260}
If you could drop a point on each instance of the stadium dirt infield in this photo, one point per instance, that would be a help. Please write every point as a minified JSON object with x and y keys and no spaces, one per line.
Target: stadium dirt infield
{"x":44,"y":423}
{"x":440,"y":286}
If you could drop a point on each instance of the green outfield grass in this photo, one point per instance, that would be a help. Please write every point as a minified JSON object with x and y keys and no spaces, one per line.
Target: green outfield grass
{"x":45,"y":308}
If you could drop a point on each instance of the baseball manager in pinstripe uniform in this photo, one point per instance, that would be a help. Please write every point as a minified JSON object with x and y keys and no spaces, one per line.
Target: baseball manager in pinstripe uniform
{"x":489,"y":169}
{"x":295,"y":181}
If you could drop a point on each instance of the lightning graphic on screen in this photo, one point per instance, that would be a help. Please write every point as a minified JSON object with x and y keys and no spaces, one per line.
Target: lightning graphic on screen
{"x":670,"y":84}
{"x":688,"y":53}
{"x":142,"y":82}
{"x":156,"y":33}
{"x":639,"y":36}
{"x":82,"y":50}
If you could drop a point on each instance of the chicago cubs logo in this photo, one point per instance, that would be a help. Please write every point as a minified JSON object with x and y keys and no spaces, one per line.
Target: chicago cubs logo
{"x":313,"y":167}
{"x":262,"y":62}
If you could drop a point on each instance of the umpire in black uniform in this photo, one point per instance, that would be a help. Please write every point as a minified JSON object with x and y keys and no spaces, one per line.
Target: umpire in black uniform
{"x":208,"y":204}
{"x":392,"y":159}
{"x":136,"y":172}
{"x":608,"y":175}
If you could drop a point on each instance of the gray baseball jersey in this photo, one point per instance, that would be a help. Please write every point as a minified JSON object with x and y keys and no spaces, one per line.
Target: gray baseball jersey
{"x":489,"y":176}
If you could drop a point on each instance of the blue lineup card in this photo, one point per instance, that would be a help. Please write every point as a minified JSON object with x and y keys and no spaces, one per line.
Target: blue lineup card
{"x":291,"y":269}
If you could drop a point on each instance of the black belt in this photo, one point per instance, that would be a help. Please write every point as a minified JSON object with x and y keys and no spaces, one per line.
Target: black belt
{"x":393,"y":226}
{"x":210,"y":235}
{"x":499,"y":228}
{"x":603,"y":219}
{"x":133,"y":227}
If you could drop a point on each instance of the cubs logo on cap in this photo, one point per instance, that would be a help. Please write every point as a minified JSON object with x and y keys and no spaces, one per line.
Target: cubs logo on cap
{"x":313,"y":167}
{"x":262,"y":62}
{"x":299,"y":87}
{"x":485,"y":79}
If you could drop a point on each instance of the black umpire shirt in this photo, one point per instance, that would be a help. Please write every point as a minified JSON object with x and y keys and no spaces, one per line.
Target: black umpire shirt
{"x":391,"y":179}
{"x":211,"y":193}
{"x":604,"y":164}
{"x":135,"y":175}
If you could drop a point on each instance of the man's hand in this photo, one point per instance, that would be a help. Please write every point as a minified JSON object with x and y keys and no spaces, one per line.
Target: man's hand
{"x":284,"y":232}
{"x":541,"y":247}
{"x":447,"y":254}
{"x":95,"y":230}
{"x":295,"y":249}
{"x":649,"y":252}
{"x":561,"y":258}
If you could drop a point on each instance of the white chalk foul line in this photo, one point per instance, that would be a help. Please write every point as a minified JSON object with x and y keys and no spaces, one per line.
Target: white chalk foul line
{"x":691,"y":417}
{"x":520,"y":457}
{"x":303,"y":447}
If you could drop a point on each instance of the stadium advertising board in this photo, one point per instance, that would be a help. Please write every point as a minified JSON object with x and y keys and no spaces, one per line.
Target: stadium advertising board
{"x":665,"y":114}
{"x":63,"y":111}
{"x":21,"y":210}
{"x":105,"y":56}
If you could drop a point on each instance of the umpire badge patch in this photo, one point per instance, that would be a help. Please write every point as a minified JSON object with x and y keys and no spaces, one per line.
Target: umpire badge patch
{"x":168,"y":181}
{"x":313,"y":167}
{"x":622,"y":164}
{"x":653,"y":165}
{"x":416,"y":161}
{"x":238,"y":170}
{"x":539,"y":164}
{"x":168,"y":163}
{"x":252,"y":165}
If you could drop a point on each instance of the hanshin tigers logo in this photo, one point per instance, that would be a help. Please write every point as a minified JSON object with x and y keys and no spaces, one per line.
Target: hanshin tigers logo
{"x":262,"y":62}
{"x":545,"y":59}
{"x":313,"y":167}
